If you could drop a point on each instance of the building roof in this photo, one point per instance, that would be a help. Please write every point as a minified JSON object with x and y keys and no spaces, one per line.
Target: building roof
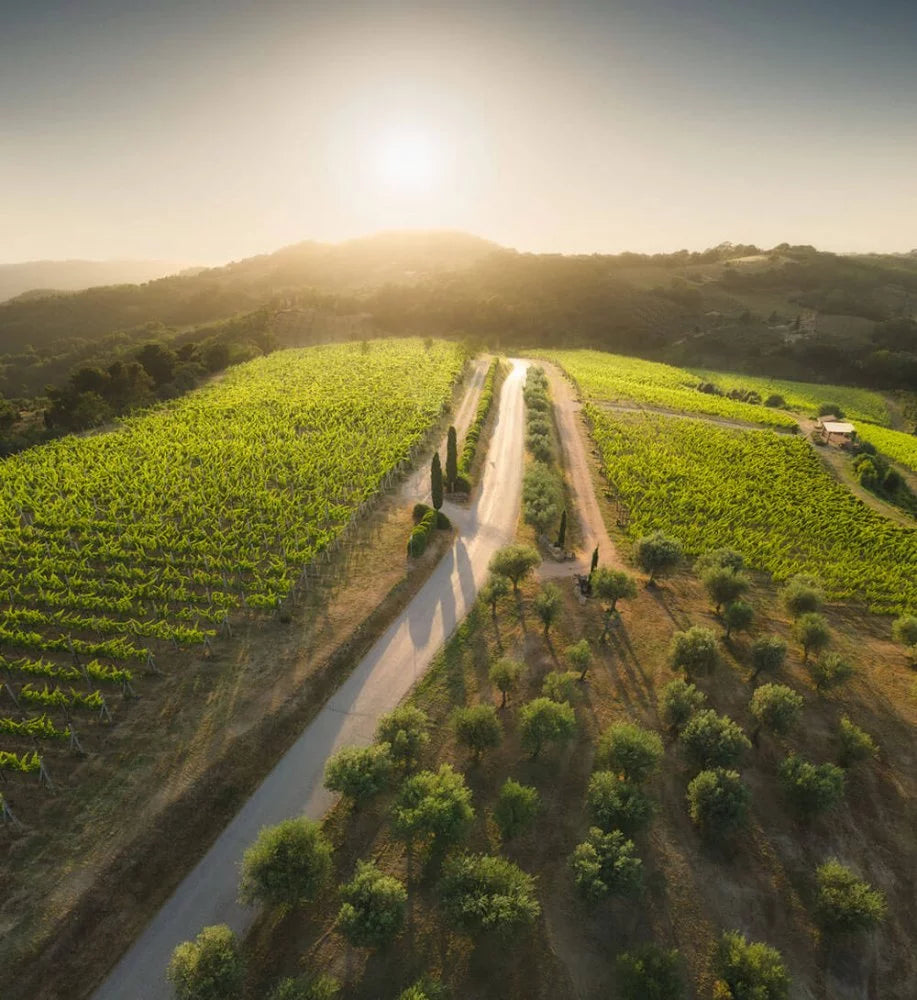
{"x":837,"y":427}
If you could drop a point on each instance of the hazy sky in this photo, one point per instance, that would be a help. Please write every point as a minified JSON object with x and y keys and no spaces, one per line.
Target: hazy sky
{"x":213,"y":129}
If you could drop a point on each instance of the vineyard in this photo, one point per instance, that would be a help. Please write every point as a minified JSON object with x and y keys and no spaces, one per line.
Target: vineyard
{"x":118,"y":548}
{"x":896,"y":445}
{"x":764,"y":494}
{"x":613,"y":377}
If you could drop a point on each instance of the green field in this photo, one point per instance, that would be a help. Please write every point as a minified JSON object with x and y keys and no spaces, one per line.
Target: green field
{"x":764,"y":494}
{"x":127,"y":543}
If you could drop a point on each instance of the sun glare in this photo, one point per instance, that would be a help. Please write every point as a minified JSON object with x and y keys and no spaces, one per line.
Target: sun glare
{"x":407,"y":162}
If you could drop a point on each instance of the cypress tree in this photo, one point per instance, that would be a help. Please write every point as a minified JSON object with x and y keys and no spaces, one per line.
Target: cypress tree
{"x":451,"y":460}
{"x":436,"y":482}
{"x":595,"y":561}
{"x":562,"y":534}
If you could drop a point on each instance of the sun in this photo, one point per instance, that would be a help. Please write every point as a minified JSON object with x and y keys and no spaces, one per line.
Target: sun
{"x":407,"y":162}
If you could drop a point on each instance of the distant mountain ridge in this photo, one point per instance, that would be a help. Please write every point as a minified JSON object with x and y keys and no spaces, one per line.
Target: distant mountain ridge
{"x":50,"y":276}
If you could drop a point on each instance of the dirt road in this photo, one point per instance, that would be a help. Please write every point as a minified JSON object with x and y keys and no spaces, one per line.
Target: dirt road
{"x":377,"y":684}
{"x":567,"y":410}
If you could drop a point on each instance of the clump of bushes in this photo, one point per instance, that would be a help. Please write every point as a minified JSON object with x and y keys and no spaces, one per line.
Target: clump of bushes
{"x":426,"y":521}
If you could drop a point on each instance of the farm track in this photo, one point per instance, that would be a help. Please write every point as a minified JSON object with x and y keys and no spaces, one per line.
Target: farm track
{"x":376,"y":685}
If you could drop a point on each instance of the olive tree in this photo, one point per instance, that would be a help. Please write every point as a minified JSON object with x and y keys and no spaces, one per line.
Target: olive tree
{"x":802,"y":595}
{"x":737,"y":617}
{"x":579,"y":656}
{"x":516,"y":808}
{"x":559,"y":685}
{"x":855,"y":744}
{"x":478,"y":728}
{"x":481,"y":893}
{"x":657,"y":554}
{"x":713,"y":740}
{"x":650,"y":973}
{"x":768,"y":653}
{"x":613,"y":585}
{"x":829,"y":670}
{"x":505,"y":674}
{"x":904,"y":630}
{"x":615,"y":804}
{"x":547,"y":605}
{"x":845,"y":903}
{"x":750,"y":970}
{"x":359,"y":772}
{"x":680,"y":700}
{"x":316,"y":987}
{"x":810,"y":788}
{"x":373,"y":908}
{"x":724,"y":585}
{"x":434,"y":806}
{"x":775,"y":707}
{"x":629,"y":750}
{"x":406,"y":731}
{"x":718,"y":802}
{"x":812,"y":633}
{"x":693,"y":651}
{"x":543,"y":721}
{"x":209,"y":967}
{"x":494,"y":589}
{"x":723,"y":558}
{"x":606,"y":864}
{"x":515,"y":562}
{"x":289,"y":864}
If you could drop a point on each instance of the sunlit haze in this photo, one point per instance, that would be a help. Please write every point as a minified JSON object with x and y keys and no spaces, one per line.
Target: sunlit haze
{"x":214,"y":130}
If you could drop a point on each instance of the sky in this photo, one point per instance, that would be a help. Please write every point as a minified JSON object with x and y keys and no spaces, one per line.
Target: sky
{"x":211,"y":130}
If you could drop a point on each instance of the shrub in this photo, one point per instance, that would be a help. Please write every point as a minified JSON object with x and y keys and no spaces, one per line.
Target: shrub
{"x":424,"y":989}
{"x":776,"y":707}
{"x":892,"y":481}
{"x":802,"y":595}
{"x":657,"y":554}
{"x":680,"y":700}
{"x":433,"y":805}
{"x":751,"y":970}
{"x":514,"y":562}
{"x":724,"y":585}
{"x":905,"y":630}
{"x":319,"y":987}
{"x":629,"y":750}
{"x":478,"y":727}
{"x":542,"y":496}
{"x":605,"y":864}
{"x":830,"y":410}
{"x":649,"y":973}
{"x":723,"y":558}
{"x":776,"y":401}
{"x":713,"y":740}
{"x":287,"y":865}
{"x":694,"y":651}
{"x":373,"y":908}
{"x":829,"y":670}
{"x":405,"y":730}
{"x":559,"y":685}
{"x":845,"y":903}
{"x":484,"y":893}
{"x":504,"y":674}
{"x":718,"y":802}
{"x":811,"y":788}
{"x":737,"y":617}
{"x":420,"y":534}
{"x":547,"y":605}
{"x":359,"y":772}
{"x":856,"y":744}
{"x":207,"y":968}
{"x":516,"y":808}
{"x":811,"y":631}
{"x":579,"y":656}
{"x":617,"y":805}
{"x":612,"y":585}
{"x":543,"y":721}
{"x":768,"y":653}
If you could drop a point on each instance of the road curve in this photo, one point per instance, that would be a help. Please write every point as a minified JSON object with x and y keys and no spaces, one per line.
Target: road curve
{"x":378,"y":683}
